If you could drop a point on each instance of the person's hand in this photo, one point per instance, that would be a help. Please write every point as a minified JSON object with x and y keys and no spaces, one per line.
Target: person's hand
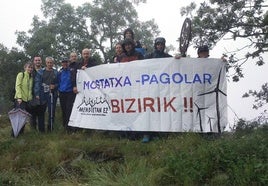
{"x":177,"y":56}
{"x":83,"y":67}
{"x":19,"y":101}
{"x":224,"y":59}
{"x":75,"y":90}
{"x":51,"y":86}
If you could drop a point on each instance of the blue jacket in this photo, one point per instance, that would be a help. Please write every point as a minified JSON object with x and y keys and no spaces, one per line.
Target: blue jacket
{"x":65,"y":80}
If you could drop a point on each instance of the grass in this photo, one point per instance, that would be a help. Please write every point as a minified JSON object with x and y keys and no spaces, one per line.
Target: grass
{"x":105,"y":158}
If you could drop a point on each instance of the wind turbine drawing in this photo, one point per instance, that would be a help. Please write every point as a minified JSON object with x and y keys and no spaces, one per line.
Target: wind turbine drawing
{"x":217,"y":91}
{"x":210,"y":123}
{"x":199,"y":114}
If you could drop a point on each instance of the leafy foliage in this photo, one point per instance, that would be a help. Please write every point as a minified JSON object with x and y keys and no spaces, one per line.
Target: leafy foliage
{"x":65,"y":29}
{"x":235,"y":19}
{"x":108,"y":21}
{"x":233,"y":160}
{"x":261,"y":96}
{"x":11,"y":62}
{"x":97,"y":26}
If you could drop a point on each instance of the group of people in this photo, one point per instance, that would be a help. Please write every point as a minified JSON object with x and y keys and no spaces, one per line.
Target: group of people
{"x":43,"y":85}
{"x":38,"y":88}
{"x":130,"y":49}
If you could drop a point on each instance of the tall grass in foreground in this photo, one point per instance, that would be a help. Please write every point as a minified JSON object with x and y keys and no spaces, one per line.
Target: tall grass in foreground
{"x":105,"y":158}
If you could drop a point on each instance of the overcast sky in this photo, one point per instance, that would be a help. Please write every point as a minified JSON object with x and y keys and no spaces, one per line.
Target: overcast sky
{"x":18,"y":14}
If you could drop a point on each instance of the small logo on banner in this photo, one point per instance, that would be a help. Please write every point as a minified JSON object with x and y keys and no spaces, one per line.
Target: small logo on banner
{"x":98,"y":106}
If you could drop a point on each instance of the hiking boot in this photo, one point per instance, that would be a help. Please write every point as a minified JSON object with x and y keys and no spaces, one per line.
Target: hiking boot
{"x":146,"y":139}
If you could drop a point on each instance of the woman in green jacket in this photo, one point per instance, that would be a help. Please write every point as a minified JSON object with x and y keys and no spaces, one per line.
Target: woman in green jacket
{"x":24,"y":86}
{"x":24,"y":89}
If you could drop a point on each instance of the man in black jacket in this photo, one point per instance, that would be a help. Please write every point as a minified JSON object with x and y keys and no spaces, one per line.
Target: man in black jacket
{"x":73,"y":68}
{"x":86,"y":62}
{"x":159,"y":49}
{"x":38,"y":109}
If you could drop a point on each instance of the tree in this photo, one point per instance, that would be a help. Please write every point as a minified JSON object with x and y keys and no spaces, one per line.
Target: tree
{"x":109,"y":18}
{"x":97,"y":26}
{"x":41,"y":39}
{"x":71,"y":31}
{"x":63,"y":31}
{"x":261,"y":96}
{"x":11,"y":62}
{"x":245,"y":19}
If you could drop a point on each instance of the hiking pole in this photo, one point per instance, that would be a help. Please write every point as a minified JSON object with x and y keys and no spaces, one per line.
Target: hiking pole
{"x":51,"y":110}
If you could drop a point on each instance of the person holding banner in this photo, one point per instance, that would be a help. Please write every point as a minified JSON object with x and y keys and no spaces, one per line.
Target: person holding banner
{"x":159,"y":52}
{"x":203,"y":51}
{"x":130,"y":54}
{"x":159,"y":49}
{"x":128,"y":33}
{"x":73,"y":68}
{"x":118,"y":52}
{"x":87,"y":61}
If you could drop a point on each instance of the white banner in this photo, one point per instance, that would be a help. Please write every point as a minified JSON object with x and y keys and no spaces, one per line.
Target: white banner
{"x":164,"y":94}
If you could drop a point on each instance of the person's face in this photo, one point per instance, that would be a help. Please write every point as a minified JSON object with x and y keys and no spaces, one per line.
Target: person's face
{"x":128,"y":47}
{"x":73,"y":57}
{"x":159,"y":46}
{"x":118,"y":49}
{"x":37,"y":62}
{"x":64,"y":64}
{"x":128,"y":35}
{"x":86,"y":54}
{"x":29,"y":69}
{"x":49,"y":63}
{"x":203,"y":55}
